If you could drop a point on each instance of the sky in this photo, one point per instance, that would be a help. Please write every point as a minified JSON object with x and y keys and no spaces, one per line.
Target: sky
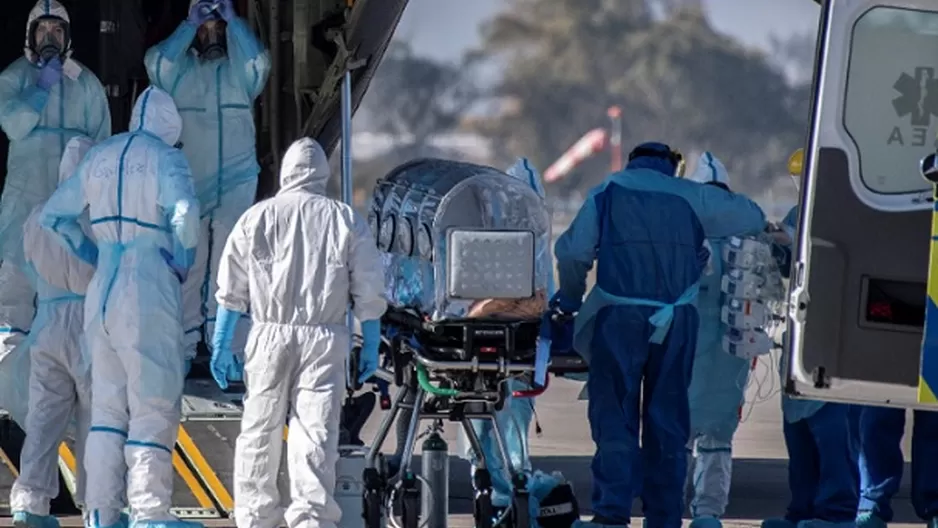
{"x":443,"y":29}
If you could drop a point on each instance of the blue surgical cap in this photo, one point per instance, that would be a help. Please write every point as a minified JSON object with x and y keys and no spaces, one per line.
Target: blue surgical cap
{"x":662,"y":164}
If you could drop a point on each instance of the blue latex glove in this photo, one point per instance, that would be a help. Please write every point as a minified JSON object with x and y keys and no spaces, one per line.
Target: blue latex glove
{"x":180,"y":272}
{"x":200,"y":13}
{"x":50,"y":74}
{"x":559,"y":332}
{"x":566,"y":305}
{"x":223,"y":359}
{"x":226,"y":10}
{"x":236,"y":371}
{"x":371,"y":340}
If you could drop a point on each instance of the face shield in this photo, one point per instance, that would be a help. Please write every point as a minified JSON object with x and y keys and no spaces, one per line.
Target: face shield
{"x":49,"y":38}
{"x":211,"y":40}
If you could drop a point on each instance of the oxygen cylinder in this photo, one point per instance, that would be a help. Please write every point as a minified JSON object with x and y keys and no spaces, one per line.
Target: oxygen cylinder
{"x":434,"y":501}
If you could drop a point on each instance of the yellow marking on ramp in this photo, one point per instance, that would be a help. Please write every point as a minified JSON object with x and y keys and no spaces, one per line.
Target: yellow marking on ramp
{"x":205,"y":471}
{"x":8,"y":463}
{"x":69,"y":458}
{"x":192,"y":482}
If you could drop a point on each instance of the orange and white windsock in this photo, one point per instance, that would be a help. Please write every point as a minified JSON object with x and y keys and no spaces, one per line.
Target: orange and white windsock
{"x":592,"y":143}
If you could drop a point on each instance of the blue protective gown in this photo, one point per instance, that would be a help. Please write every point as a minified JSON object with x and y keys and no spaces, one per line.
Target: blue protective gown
{"x":514,"y":419}
{"x":648,"y":247}
{"x":216,"y":101}
{"x":881,"y":464}
{"x":38,"y":123}
{"x":716,"y":393}
{"x":719,"y":380}
{"x":822,"y":454}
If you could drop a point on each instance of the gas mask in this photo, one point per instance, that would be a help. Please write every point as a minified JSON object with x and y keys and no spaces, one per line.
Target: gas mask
{"x":49,"y":38}
{"x":211,"y":41}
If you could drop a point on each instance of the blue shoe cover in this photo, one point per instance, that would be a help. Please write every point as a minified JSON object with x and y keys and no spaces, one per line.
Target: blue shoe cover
{"x":868,"y":519}
{"x":123,"y":522}
{"x":706,"y":522}
{"x":778,"y":523}
{"x":589,"y":524}
{"x":23,"y":519}
{"x":166,"y":524}
{"x":818,"y":523}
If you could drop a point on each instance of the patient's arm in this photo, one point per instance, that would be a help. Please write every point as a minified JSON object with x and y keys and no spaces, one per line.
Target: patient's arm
{"x":530,"y":308}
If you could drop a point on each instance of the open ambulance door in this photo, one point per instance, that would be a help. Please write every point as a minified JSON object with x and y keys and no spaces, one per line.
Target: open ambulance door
{"x":859,"y":283}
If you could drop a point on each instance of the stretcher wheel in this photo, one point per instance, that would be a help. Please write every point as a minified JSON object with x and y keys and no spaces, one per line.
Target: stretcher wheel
{"x":371,"y":500}
{"x":521,"y":515}
{"x":410,"y":502}
{"x":484,"y":513}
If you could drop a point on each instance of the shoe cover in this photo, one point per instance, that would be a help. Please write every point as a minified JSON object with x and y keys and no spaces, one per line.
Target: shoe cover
{"x":166,"y":524}
{"x":778,"y":523}
{"x":23,"y":519}
{"x":818,"y":523}
{"x":706,"y":522}
{"x":591,"y":524}
{"x":932,"y":523}
{"x":869,"y":519}
{"x":598,"y":522}
{"x":123,"y":522}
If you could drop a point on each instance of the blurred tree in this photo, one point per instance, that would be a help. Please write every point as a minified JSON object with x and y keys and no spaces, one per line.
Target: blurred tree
{"x":676,"y":79}
{"x":416,"y":98}
{"x":794,"y":54}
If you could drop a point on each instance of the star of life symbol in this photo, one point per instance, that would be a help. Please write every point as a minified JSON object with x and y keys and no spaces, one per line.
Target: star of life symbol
{"x":918,"y":96}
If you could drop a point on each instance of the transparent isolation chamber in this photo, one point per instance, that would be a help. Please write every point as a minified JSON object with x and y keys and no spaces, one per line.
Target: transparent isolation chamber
{"x":453,"y":235}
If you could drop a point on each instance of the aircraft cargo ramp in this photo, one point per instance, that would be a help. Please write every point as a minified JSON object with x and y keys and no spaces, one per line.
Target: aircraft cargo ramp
{"x":203,"y":458}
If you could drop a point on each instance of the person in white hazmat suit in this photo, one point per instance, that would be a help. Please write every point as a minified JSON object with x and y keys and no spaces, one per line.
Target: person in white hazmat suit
{"x":46,"y":98}
{"x":144,"y":218}
{"x":296,"y":262}
{"x":60,"y":375}
{"x":215,"y":68}
{"x":718,"y":381}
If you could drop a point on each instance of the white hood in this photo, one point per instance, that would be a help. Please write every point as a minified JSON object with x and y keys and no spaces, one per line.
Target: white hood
{"x":156,"y":113}
{"x":75,"y":151}
{"x":710,"y":169}
{"x":305,"y":167}
{"x":43,"y":8}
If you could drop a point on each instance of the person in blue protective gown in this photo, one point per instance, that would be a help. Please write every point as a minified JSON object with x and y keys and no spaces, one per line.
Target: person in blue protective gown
{"x":822,"y":454}
{"x":719,"y":379}
{"x":144,"y":219}
{"x":514,"y":420}
{"x":645,"y":231}
{"x":881,"y":465}
{"x":46,"y":98}
{"x":214,"y":68}
{"x":298,"y":262}
{"x":60,"y":374}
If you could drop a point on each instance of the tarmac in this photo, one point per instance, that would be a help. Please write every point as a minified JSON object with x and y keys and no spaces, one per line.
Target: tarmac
{"x":759,"y":488}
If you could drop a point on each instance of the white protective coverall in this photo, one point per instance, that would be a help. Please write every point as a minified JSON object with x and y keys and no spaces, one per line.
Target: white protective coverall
{"x":38,"y":123}
{"x":60,"y":377}
{"x":216,"y":102}
{"x":139,"y":193}
{"x":296,"y":262}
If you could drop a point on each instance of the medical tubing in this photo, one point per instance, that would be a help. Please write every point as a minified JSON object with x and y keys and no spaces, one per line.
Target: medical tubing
{"x":423,"y":378}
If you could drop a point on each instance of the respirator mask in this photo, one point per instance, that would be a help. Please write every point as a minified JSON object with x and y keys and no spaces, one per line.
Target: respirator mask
{"x":49,"y":38}
{"x":211,"y":40}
